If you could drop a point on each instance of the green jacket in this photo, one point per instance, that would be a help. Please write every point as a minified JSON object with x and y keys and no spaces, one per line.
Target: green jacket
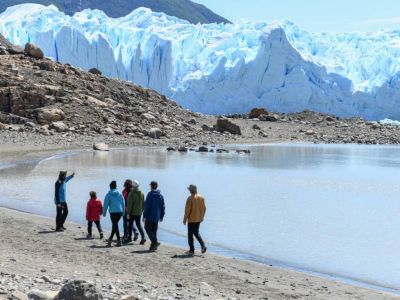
{"x":135,"y":203}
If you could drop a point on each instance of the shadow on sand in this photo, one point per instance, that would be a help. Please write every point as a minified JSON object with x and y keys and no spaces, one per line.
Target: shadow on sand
{"x":182,"y":256}
{"x":141,"y":252}
{"x":47,"y":231}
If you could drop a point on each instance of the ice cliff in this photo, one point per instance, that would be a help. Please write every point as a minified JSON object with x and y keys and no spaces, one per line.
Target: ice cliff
{"x":223,"y":68}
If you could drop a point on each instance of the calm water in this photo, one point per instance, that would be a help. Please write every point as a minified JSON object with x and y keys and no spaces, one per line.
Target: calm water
{"x":328,"y":209}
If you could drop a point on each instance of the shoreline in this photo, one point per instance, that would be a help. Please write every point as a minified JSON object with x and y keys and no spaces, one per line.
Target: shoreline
{"x":316,"y":287}
{"x":41,"y":154}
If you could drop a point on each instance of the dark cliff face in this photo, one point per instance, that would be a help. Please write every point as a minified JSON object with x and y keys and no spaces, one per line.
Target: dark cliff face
{"x":183,"y":9}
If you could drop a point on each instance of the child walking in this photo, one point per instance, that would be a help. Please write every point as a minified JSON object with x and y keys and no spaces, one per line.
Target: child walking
{"x":94,"y":209}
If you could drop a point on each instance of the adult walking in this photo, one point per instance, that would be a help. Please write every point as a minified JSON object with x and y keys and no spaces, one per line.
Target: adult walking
{"x":154,"y":212}
{"x":128,"y":186}
{"x":195,"y":211}
{"x":60,"y":199}
{"x":114,"y":202}
{"x":134,"y":211}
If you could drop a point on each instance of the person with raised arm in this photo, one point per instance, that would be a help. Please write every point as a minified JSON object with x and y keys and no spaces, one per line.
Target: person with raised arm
{"x":60,"y":199}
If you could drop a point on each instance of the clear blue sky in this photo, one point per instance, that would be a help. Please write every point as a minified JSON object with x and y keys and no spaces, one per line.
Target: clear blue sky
{"x":314,"y":15}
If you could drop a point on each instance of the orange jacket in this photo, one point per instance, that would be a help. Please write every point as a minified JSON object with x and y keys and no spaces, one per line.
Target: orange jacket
{"x":195,"y":209}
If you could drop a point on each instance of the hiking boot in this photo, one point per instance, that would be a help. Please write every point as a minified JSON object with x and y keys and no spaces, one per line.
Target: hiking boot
{"x":88,"y":236}
{"x":119,"y":244}
{"x":101,"y":235}
{"x":156,"y":246}
{"x":190,"y":252}
{"x":59,"y":229}
{"x":63,"y":228}
{"x":135,"y":238}
{"x":109,"y":241}
{"x":127,"y":240}
{"x":203,"y":249}
{"x":143,"y":241}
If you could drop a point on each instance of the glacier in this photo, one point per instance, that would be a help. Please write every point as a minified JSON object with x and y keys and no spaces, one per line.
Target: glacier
{"x":223,"y":68}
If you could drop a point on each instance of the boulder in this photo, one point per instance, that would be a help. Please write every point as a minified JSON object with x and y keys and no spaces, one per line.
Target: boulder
{"x":155,"y":133}
{"x":33,"y":51}
{"x":330,"y":119}
{"x":310,"y":132}
{"x":10,"y":48}
{"x":192,"y":121}
{"x":129,"y":297}
{"x":58,"y":126}
{"x":95,"y":71}
{"x":256,"y":127}
{"x":108,"y":131}
{"x":243,"y":151}
{"x":17,"y":295}
{"x":101,"y":147}
{"x":203,"y":149}
{"x":183,"y":149}
{"x":79,"y":289}
{"x":47,"y":66}
{"x":148,"y":116}
{"x":255,"y":113}
{"x":269,"y":118}
{"x":205,"y":127}
{"x":47,"y":115}
{"x":39,"y":295}
{"x":224,"y":124}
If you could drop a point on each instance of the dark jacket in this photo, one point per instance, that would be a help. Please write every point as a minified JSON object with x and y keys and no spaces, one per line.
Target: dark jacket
{"x":154,"y":207}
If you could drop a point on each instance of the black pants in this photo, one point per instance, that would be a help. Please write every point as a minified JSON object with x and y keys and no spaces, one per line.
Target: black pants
{"x":115,"y":217}
{"x":131,"y":221}
{"x":90,"y":224}
{"x":151,"y":229}
{"x":62,"y":213}
{"x":193,"y":230}
{"x":127,"y":230}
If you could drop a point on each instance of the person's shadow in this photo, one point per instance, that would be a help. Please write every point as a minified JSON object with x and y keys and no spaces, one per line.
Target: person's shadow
{"x":141,"y":252}
{"x":182,"y":256}
{"x":100,"y":247}
{"x":47,"y":231}
{"x":83,"y":239}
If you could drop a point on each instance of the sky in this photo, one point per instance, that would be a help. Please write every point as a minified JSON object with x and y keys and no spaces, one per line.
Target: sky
{"x":314,"y":15}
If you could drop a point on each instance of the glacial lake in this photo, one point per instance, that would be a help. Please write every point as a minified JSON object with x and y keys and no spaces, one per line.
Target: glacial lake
{"x":327,"y":209}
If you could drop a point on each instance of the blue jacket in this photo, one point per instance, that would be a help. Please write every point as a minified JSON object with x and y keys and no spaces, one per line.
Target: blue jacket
{"x":154,"y":207}
{"x":60,"y":195}
{"x":115,"y":201}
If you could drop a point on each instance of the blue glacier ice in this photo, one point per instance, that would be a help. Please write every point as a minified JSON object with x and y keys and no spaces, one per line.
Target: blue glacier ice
{"x":223,"y":68}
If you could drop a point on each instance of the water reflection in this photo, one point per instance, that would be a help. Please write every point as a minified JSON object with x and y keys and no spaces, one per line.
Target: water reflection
{"x":331,"y":209}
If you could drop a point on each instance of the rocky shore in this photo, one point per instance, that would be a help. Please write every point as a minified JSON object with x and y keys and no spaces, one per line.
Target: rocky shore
{"x":38,"y":262}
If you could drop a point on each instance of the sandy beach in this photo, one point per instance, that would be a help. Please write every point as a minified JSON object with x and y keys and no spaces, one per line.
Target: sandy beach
{"x":34,"y":257}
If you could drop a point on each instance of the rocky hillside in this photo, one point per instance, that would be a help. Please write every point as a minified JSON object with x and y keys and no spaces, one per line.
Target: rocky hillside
{"x":183,"y":9}
{"x":46,"y":95}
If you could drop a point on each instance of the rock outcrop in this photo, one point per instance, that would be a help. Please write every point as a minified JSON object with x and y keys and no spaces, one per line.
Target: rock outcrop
{"x":224,"y":124}
{"x":33,"y":51}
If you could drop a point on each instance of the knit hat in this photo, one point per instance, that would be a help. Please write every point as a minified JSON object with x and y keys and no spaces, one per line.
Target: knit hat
{"x":135,"y":184}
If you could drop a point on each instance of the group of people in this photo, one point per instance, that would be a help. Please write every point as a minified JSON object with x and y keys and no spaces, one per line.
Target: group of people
{"x":131,"y":206}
